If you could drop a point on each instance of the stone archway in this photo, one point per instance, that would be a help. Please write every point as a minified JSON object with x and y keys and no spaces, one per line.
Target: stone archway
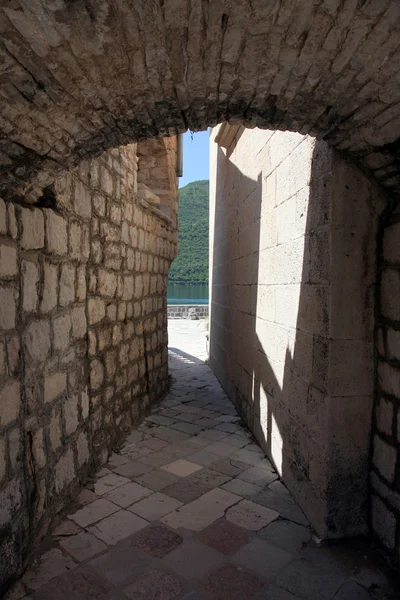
{"x":81,"y":76}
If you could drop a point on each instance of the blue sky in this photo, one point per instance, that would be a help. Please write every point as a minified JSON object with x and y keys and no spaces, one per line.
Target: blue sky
{"x":195,"y":157}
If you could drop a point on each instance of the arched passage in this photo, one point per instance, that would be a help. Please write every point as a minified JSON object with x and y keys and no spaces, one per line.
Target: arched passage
{"x":81,"y":77}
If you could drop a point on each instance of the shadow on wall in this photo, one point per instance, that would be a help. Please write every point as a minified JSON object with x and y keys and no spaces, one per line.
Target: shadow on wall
{"x":291,"y":330}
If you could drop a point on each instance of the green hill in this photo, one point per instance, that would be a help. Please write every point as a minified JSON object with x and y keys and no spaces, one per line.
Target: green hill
{"x":191,"y":264}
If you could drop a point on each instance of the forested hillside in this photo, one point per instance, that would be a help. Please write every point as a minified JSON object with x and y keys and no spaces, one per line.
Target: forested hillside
{"x":191,"y":264}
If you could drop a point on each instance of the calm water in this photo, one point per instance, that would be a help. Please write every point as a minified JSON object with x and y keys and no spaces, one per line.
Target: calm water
{"x":183,"y":293}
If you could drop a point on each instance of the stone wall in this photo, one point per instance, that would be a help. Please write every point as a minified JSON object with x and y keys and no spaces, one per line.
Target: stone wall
{"x":385,"y":470}
{"x":292,"y":243}
{"x":83,"y":337}
{"x":188,"y":311}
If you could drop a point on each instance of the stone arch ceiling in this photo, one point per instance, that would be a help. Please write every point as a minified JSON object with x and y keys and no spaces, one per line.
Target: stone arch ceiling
{"x":79,"y":76}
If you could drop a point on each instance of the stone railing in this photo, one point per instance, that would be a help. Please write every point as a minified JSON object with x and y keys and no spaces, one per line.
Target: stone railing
{"x":188,"y":311}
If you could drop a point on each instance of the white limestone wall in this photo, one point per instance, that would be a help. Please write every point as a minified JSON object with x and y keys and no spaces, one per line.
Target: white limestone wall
{"x":292,"y":238}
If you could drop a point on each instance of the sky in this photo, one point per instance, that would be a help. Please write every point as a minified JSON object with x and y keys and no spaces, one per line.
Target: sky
{"x":195,"y":157}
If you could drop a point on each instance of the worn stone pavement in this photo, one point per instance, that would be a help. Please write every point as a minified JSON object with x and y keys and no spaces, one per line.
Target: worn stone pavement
{"x":189,"y":507}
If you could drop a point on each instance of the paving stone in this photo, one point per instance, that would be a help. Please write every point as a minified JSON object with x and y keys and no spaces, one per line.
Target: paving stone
{"x":193,"y":560}
{"x":157,"y":480}
{"x":271,"y":592}
{"x":66,"y":528}
{"x":159,"y":420}
{"x":83,"y":546}
{"x":213,"y":434}
{"x":93,"y":512}
{"x":241,"y":488}
{"x":190,"y":488}
{"x":201,"y":512}
{"x":153,"y":443}
{"x":286,"y":535}
{"x":108,"y":483}
{"x":134,"y":437}
{"x":116,"y":460}
{"x":86,"y":496}
{"x":133,"y":451}
{"x":182,"y":468}
{"x":228,"y":427}
{"x":236,"y":441}
{"x":303,"y":579}
{"x":203,"y":457}
{"x":251,"y":516}
{"x":82,"y":585}
{"x":275,"y":496}
{"x":246,"y":456}
{"x":351,"y":590}
{"x":154,"y":585}
{"x":206,"y":422}
{"x":121,"y":563}
{"x":133,"y":469}
{"x":117,"y":527}
{"x":263,"y":558}
{"x":230,"y":582}
{"x":296,"y":514}
{"x":258,"y":476}
{"x":230,"y":467}
{"x":221,"y":449}
{"x":197,"y":442}
{"x":127,"y":494}
{"x":171,"y":435}
{"x":156,"y":540}
{"x":190,"y":428}
{"x":50,"y":565}
{"x":225,"y":537}
{"x":155,"y":506}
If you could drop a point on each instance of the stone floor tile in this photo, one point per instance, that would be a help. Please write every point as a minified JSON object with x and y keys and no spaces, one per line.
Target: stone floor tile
{"x":83,"y":546}
{"x":213,"y":434}
{"x":296,"y":515}
{"x":93,"y":512}
{"x":171,"y":435}
{"x":206,"y":422}
{"x":198,"y":442}
{"x":154,"y":585}
{"x":351,"y":590}
{"x":154,"y":444}
{"x":231,"y":582}
{"x":66,"y":528}
{"x":302,"y":578}
{"x":117,"y":527}
{"x":155,"y":506}
{"x":108,"y":483}
{"x":221,"y":449}
{"x":252,"y":447}
{"x":286,"y":535}
{"x":258,"y":476}
{"x":157,"y":459}
{"x":132,"y":469}
{"x":236,"y":441}
{"x":134,"y":437}
{"x":263,"y":558}
{"x":201,"y":512}
{"x":241,"y":488}
{"x":251,"y":516}
{"x":193,"y":560}
{"x":225,"y":537}
{"x":159,"y":420}
{"x":203,"y":457}
{"x":134,"y":452}
{"x":187,"y":417}
{"x":190,"y":488}
{"x":127,"y":494}
{"x":190,"y":428}
{"x":157,"y":480}
{"x":51,"y":564}
{"x":271,"y":592}
{"x":230,"y":467}
{"x":265,"y":463}
{"x":121,"y":563}
{"x":228,"y":427}
{"x":103,"y":472}
{"x":83,"y":584}
{"x":116,"y":460}
{"x":246,"y":456}
{"x":86,"y":496}
{"x":156,"y":540}
{"x":181,"y":468}
{"x":275,"y":496}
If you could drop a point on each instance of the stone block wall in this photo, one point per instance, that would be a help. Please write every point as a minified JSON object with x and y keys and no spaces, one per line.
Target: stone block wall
{"x":293,"y":255}
{"x":385,"y":447}
{"x":188,"y":311}
{"x":83,"y":338}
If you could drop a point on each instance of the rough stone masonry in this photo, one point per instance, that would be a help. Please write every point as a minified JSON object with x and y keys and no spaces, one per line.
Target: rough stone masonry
{"x":82,"y":335}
